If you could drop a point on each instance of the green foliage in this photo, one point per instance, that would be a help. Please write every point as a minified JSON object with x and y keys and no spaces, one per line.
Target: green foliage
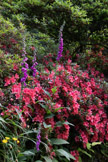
{"x":42,"y":42}
{"x":10,"y":36}
{"x":94,"y":151}
{"x":86,"y":21}
{"x":58,"y":141}
{"x":104,"y":149}
{"x":64,"y":153}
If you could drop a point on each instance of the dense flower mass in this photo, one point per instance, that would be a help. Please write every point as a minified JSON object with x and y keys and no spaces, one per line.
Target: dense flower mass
{"x":95,"y":59}
{"x":69,"y":103}
{"x":77,"y":93}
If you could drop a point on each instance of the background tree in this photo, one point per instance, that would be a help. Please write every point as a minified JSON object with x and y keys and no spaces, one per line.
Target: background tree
{"x":86,"y":21}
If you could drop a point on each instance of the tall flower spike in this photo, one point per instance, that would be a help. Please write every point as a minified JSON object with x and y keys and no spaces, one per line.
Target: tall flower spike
{"x":34,"y":64}
{"x":38,"y":140}
{"x":59,"y":55}
{"x":24,"y":64}
{"x":60,"y":48}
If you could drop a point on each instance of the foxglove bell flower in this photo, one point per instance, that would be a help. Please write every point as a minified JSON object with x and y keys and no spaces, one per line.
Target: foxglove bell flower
{"x":60,"y":48}
{"x":24,"y":64}
{"x":38,"y":141}
{"x":34,"y":64}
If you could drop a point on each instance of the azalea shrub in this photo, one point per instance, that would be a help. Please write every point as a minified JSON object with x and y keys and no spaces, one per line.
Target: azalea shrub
{"x":58,"y":113}
{"x":10,"y":37}
{"x":96,"y":58}
{"x":9,"y":65}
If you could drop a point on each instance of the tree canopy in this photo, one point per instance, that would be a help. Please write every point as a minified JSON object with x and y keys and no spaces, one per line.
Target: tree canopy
{"x":86,"y":21}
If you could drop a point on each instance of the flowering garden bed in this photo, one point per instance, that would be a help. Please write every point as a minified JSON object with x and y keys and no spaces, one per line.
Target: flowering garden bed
{"x":59,"y":114}
{"x":53,"y":110}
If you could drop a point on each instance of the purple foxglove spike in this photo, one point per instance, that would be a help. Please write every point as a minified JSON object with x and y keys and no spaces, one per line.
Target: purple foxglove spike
{"x":23,"y":79}
{"x":24,"y":69}
{"x":33,"y":67}
{"x":38,"y":141}
{"x":24,"y":84}
{"x":24,"y":63}
{"x":25,"y":59}
{"x":60,"y":48}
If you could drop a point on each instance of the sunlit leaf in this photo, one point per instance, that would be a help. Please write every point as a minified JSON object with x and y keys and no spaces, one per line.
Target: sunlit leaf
{"x":47,"y":159}
{"x":66,"y":154}
{"x":56,"y":141}
{"x":96,"y":143}
{"x":86,"y":153}
{"x":45,"y":125}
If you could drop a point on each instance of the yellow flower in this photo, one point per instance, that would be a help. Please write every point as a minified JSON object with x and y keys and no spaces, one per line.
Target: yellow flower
{"x":4,"y":141}
{"x":18,"y":141}
{"x":7,"y":138}
{"x":15,"y":139}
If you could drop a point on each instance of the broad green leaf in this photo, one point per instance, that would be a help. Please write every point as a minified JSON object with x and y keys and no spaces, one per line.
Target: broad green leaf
{"x":80,"y":150}
{"x":46,"y":146}
{"x":80,"y":160}
{"x":47,"y":159}
{"x":88,"y":146}
{"x":45,"y":125}
{"x":47,"y":93}
{"x":38,"y":161}
{"x":2,"y":120}
{"x":40,"y":101}
{"x":56,"y":141}
{"x":54,"y":160}
{"x":30,"y":107}
{"x":28,"y":132}
{"x":54,"y":90}
{"x":19,"y":113}
{"x":49,"y":116}
{"x":3,"y":132}
{"x":48,"y":112}
{"x":96,"y":143}
{"x":66,"y":154}
{"x":43,"y":106}
{"x":58,"y":109}
{"x":21,"y":158}
{"x":11,"y":121}
{"x":60,"y":123}
{"x":104,"y":153}
{"x":69,"y":123}
{"x":28,"y":153}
